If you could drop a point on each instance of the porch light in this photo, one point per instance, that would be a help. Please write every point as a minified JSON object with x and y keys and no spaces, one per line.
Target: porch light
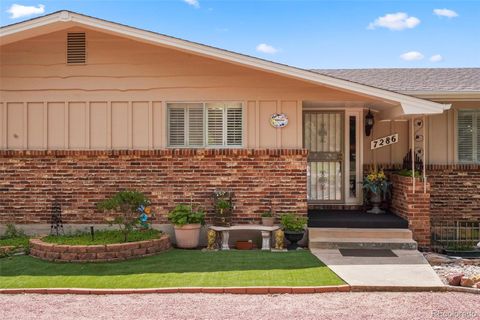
{"x":369,"y":122}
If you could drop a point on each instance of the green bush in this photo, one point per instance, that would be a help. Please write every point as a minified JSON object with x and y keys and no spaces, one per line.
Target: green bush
{"x":407,"y":173}
{"x":293,"y":222}
{"x":102,"y":237}
{"x":184,"y":214}
{"x":267,"y":214}
{"x":127,"y":203}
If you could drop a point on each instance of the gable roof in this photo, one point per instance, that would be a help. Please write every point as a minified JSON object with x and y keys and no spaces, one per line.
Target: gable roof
{"x":65,"y":19}
{"x":412,"y":79}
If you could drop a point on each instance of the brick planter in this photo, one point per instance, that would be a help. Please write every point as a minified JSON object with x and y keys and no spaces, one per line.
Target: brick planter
{"x":98,"y":253}
{"x":413,"y":206}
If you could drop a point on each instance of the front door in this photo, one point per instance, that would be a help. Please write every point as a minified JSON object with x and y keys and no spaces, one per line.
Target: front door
{"x":323,"y":136}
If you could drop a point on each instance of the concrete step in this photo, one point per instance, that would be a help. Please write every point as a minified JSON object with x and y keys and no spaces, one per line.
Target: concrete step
{"x":353,"y":238}
{"x":342,"y":233}
{"x":363,"y":243}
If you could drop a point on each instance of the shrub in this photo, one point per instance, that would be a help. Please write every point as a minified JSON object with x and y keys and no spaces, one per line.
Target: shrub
{"x":407,"y":173}
{"x":12,"y":231}
{"x":267,"y":214}
{"x":293,"y":222}
{"x":184,"y":214}
{"x":129,"y":204}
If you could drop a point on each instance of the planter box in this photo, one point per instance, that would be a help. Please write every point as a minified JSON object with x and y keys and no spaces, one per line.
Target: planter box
{"x":98,"y":253}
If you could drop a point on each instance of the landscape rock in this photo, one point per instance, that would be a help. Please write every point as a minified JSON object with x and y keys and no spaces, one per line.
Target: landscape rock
{"x":466,"y":282}
{"x":476,"y":278}
{"x":454,"y":279}
{"x":437,"y":259}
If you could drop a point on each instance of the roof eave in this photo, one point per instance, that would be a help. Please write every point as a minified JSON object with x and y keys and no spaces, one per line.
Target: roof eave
{"x":419,"y":105}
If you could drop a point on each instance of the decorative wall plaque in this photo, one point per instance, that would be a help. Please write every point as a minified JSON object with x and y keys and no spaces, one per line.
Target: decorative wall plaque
{"x":279,"y":120}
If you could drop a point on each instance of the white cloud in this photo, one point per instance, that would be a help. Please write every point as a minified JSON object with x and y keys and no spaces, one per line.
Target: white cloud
{"x":436,"y":58}
{"x":395,"y":21}
{"x":193,"y":3}
{"x":445,"y":13}
{"x":18,"y":11}
{"x":412,"y":55}
{"x":266,"y":48}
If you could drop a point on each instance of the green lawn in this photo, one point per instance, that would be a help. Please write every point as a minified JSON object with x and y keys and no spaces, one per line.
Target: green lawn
{"x":175,"y":268}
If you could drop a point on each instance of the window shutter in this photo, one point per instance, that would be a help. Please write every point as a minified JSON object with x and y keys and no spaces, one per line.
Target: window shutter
{"x":215,"y":125}
{"x":234,"y":126}
{"x":466,"y":136}
{"x":76,"y":48}
{"x":195,"y":126}
{"x":176,"y":126}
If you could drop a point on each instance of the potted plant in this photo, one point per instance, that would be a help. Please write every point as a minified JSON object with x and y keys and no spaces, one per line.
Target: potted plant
{"x":294,"y":228}
{"x":377,"y":187}
{"x":187,"y":223}
{"x":268,"y":219}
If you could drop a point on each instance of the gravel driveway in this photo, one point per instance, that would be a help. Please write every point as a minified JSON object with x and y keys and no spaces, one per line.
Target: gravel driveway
{"x":211,"y":306}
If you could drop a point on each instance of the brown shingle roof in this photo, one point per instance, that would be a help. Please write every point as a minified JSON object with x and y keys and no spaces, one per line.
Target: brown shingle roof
{"x":411,"y":80}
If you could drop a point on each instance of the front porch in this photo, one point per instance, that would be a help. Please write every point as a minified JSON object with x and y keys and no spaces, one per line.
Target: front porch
{"x":354,"y":219}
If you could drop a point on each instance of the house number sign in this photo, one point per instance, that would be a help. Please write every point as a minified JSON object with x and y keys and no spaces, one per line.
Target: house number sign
{"x":383,"y":142}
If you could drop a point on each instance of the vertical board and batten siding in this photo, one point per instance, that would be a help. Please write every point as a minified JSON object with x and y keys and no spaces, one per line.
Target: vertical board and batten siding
{"x":105,"y":125}
{"x":117,"y":99}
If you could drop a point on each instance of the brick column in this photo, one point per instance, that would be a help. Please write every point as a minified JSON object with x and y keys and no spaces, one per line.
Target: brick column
{"x":413,"y":207}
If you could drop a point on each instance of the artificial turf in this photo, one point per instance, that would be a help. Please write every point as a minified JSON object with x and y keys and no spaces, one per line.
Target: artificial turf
{"x":174,"y":268}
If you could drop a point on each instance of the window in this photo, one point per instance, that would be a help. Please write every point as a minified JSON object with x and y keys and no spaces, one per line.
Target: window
{"x":469,"y":135}
{"x":205,"y":125}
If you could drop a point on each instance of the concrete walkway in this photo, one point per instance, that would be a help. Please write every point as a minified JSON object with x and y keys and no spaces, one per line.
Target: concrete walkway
{"x":408,"y":269}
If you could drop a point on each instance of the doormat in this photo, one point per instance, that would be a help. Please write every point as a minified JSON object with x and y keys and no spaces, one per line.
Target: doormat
{"x":367,"y":253}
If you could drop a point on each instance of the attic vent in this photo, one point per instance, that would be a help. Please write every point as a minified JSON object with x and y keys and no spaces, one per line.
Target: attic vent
{"x":76,"y":51}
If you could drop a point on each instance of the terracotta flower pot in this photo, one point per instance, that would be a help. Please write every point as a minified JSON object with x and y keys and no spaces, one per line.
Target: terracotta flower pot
{"x":244,"y":245}
{"x":188,"y":236}
{"x":268,"y":221}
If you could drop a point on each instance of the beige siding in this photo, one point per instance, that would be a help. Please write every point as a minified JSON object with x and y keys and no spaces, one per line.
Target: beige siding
{"x":16,"y":126}
{"x":441,"y":134}
{"x":117,"y":99}
{"x":390,"y":154}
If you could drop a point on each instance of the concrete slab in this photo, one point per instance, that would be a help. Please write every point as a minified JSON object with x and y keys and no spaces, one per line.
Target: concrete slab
{"x":409,"y":268}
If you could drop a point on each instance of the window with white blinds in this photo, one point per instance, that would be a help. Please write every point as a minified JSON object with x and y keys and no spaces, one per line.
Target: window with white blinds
{"x":205,"y":124}
{"x":468,"y":135}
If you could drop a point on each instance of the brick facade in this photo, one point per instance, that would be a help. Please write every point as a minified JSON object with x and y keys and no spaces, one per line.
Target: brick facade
{"x":455,"y":192}
{"x":413,"y":207}
{"x":31,"y":180}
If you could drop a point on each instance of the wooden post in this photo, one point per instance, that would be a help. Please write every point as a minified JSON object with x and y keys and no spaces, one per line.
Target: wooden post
{"x":424,"y":157}
{"x":413,"y":152}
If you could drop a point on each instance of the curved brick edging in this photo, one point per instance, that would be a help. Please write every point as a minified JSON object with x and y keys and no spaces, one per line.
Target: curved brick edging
{"x":98,"y":253}
{"x":233,"y":290}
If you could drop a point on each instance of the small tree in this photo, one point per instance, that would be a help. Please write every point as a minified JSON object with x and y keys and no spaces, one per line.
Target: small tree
{"x":127,"y":203}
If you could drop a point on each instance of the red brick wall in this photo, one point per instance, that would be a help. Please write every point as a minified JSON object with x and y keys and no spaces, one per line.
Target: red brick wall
{"x":455,"y":192}
{"x":413,"y":207}
{"x":31,"y":180}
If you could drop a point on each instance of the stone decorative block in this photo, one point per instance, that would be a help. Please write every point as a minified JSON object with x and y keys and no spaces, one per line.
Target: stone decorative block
{"x":98,"y":253}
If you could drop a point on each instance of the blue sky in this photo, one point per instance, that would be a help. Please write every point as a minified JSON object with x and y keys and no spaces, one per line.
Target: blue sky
{"x":307,"y":34}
